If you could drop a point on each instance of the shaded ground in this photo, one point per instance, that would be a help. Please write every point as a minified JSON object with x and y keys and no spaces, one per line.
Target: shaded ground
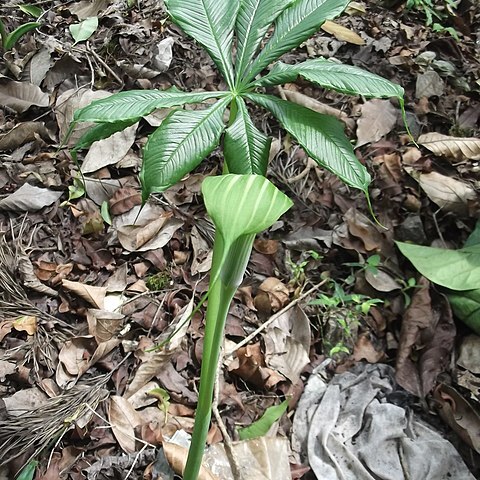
{"x":85,"y":294}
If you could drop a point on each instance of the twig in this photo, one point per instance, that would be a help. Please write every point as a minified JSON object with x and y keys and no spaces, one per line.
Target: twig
{"x":104,"y":64}
{"x":275,"y":317}
{"x":232,"y":457}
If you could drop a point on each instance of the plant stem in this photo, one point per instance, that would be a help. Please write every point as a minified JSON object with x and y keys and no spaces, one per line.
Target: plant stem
{"x":221,"y":294}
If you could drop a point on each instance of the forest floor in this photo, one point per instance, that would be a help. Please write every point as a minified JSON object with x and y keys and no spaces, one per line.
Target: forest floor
{"x":86,"y":288}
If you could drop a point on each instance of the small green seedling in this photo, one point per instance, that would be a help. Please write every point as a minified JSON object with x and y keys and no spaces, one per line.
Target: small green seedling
{"x":10,"y":39}
{"x":436,"y":12}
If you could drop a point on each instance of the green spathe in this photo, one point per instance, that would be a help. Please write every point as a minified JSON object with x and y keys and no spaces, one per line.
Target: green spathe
{"x":240,"y":206}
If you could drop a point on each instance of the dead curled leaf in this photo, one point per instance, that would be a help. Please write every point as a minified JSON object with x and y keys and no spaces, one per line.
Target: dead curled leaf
{"x":426,"y":340}
{"x":459,"y":414}
{"x":123,"y":200}
{"x":25,"y":323}
{"x":249,"y":364}
{"x":287,"y":343}
{"x":342,"y":33}
{"x":29,"y":198}
{"x":20,"y":96}
{"x":93,"y":295}
{"x":448,"y":193}
{"x":124,"y":419}
{"x":277,"y":292}
{"x":455,"y":148}
{"x":377,"y":120}
{"x":177,"y":457}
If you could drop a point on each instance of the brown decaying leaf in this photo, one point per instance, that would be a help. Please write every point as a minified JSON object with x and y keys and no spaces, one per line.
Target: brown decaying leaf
{"x":428,"y":333}
{"x":104,"y":325}
{"x":20,"y":96}
{"x":124,"y":419}
{"x":278,"y":293}
{"x":154,"y":361}
{"x":177,"y":457}
{"x":152,"y":229}
{"x":377,"y":120}
{"x":249,"y":364}
{"x":109,"y":151}
{"x":315,"y":105}
{"x":22,"y":133}
{"x":455,"y":148}
{"x":429,"y":84}
{"x":87,"y":8}
{"x":342,"y":33}
{"x":459,"y":414}
{"x":93,"y":295}
{"x":29,"y":198}
{"x":123,"y":200}
{"x":287,"y":343}
{"x":448,"y":193}
{"x":25,"y":323}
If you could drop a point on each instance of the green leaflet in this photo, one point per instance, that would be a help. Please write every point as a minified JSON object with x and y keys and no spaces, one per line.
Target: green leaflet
{"x":466,"y":307}
{"x":181,"y":142}
{"x":246,"y":148}
{"x":240,"y":206}
{"x":28,"y":472}
{"x":210,"y":23}
{"x":453,"y":269}
{"x":295,"y":25}
{"x":101,"y":131}
{"x":9,"y":40}
{"x":263,"y":424}
{"x":335,"y":76}
{"x":253,"y":20}
{"x":134,"y":104}
{"x":84,"y":30}
{"x":321,"y":136}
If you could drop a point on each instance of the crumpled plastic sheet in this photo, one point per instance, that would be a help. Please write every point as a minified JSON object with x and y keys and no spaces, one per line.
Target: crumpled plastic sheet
{"x":347,"y":429}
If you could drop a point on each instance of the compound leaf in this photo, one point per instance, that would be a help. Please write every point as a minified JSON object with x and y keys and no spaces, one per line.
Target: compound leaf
{"x":295,"y":25}
{"x":181,"y":142}
{"x":321,"y":136}
{"x":335,"y":76}
{"x":253,"y":20}
{"x":210,"y":23}
{"x":131,"y":105}
{"x":246,"y":148}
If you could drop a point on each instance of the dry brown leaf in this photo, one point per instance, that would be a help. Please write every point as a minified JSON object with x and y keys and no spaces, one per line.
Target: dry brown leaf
{"x":449,"y":194}
{"x":123,"y":200}
{"x":264,"y":458}
{"x":429,"y":84}
{"x":22,"y":133}
{"x":124,"y":419}
{"x":109,"y":151}
{"x":70,"y":101}
{"x":88,"y":8}
{"x":93,"y":295}
{"x":104,"y":325}
{"x":426,"y":341}
{"x":278,"y":293}
{"x":287,"y":343}
{"x":29,"y":198}
{"x":455,"y":148}
{"x":459,"y":414}
{"x":152,"y":230}
{"x":154,"y":361}
{"x":315,"y":105}
{"x":20,"y":96}
{"x":342,"y":33}
{"x":177,"y":458}
{"x":377,"y":120}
